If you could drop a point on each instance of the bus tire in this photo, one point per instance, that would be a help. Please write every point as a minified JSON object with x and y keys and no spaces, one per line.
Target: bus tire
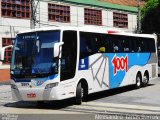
{"x":79,"y":92}
{"x":138,"y":81}
{"x":145,"y":79}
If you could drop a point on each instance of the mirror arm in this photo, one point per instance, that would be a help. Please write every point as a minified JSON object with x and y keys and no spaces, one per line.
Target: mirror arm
{"x":57,"y":49}
{"x":3,"y":52}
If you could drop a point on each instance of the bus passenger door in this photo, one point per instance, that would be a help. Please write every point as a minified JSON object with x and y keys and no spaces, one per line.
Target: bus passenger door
{"x":68,"y":59}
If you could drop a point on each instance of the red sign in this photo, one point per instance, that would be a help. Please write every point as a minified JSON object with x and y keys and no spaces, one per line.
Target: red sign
{"x":31,"y":95}
{"x":112,"y":32}
{"x":120,"y":63}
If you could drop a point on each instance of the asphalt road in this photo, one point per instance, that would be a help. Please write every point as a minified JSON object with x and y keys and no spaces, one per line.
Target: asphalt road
{"x":149,"y":95}
{"x":125,"y":103}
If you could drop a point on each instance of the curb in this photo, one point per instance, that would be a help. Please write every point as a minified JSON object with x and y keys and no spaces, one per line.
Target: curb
{"x":123,"y":106}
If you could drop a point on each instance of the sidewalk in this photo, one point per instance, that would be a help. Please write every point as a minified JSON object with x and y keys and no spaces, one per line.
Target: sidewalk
{"x":4,"y":82}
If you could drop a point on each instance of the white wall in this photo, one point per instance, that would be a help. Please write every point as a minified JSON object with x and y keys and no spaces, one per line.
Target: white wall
{"x":110,"y":18}
{"x":77,"y":16}
{"x":80,"y":16}
{"x":134,"y":25}
{"x":43,"y":12}
{"x":74,"y":15}
{"x":16,"y":22}
{"x":9,"y":27}
{"x":44,"y":16}
{"x":104,"y":17}
{"x":77,"y":19}
{"x":132,"y":22}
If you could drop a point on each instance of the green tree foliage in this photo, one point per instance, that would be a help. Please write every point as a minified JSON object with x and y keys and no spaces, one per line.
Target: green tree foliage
{"x":150,"y":4}
{"x":150,"y":17}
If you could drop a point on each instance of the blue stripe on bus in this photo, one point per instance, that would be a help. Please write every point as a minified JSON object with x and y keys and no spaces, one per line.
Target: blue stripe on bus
{"x":40,"y":81}
{"x":52,"y":76}
{"x":117,"y":74}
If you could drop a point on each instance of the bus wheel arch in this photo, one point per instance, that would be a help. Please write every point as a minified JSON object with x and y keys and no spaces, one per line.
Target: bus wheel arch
{"x":145,"y":79}
{"x":81,"y":91}
{"x":138,"y":80}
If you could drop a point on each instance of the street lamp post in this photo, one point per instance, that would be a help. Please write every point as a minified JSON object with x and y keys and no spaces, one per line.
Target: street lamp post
{"x":139,"y":17}
{"x":32,"y":22}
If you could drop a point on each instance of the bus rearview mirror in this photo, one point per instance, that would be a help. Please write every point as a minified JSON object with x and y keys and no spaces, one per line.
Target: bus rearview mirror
{"x":56,"y":49}
{"x":2,"y":52}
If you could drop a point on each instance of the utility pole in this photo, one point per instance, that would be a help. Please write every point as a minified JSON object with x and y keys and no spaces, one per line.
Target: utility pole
{"x":33,"y":19}
{"x":139,"y":17}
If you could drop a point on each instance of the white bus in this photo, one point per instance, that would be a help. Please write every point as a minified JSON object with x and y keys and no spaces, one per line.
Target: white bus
{"x":63,"y":62}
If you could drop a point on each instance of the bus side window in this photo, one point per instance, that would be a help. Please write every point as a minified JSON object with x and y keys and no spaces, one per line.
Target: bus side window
{"x":101,"y":44}
{"x":104,"y":44}
{"x":125,"y":45}
{"x":115,"y":46}
{"x":96,"y":42}
{"x":141,"y":45}
{"x":138,"y":46}
{"x":89,"y":43}
{"x":85,"y":45}
{"x":82,"y":44}
{"x":151,"y":44}
{"x":132,"y":45}
{"x":107,"y":45}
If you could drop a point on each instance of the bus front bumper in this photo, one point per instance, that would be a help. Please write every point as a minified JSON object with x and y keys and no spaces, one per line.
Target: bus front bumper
{"x":35,"y":94}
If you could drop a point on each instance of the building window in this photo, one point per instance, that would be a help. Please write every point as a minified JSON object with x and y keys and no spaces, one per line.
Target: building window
{"x":8,"y":51}
{"x":58,"y":13}
{"x":92,"y":16}
{"x":120,"y":20}
{"x":15,"y":8}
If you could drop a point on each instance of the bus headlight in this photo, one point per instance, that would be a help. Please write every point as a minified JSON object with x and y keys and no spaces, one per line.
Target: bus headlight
{"x":51,"y":85}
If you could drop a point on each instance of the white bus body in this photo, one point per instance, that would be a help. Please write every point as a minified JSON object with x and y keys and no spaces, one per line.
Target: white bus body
{"x":88,"y":60}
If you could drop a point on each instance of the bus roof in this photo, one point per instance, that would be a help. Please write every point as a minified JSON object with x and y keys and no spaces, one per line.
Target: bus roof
{"x":95,"y":29}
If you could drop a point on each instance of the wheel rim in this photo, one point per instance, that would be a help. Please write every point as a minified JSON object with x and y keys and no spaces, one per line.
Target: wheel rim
{"x":79,"y":94}
{"x":145,"y":79}
{"x":82,"y":92}
{"x":138,"y":81}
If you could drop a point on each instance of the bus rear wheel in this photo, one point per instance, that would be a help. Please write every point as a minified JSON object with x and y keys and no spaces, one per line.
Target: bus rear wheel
{"x":145,"y":80}
{"x":138,"y":81}
{"x":79,"y":94}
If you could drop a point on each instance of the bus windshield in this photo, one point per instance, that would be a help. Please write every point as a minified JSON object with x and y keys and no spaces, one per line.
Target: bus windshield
{"x":33,"y":54}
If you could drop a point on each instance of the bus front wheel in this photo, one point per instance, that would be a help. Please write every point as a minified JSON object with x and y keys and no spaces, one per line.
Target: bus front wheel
{"x":79,"y":94}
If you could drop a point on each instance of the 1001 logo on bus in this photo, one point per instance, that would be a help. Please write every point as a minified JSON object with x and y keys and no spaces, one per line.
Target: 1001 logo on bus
{"x":120,"y":63}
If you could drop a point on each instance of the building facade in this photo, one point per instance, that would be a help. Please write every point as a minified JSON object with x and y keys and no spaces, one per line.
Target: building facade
{"x":15,"y":16}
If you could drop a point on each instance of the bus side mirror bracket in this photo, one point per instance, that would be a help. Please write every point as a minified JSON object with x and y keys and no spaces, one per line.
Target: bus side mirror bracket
{"x":56,"y":48}
{"x":2,"y":52}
